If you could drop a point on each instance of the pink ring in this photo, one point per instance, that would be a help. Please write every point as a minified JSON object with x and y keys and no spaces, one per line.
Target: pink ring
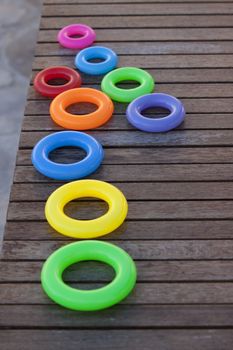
{"x":65,"y":36}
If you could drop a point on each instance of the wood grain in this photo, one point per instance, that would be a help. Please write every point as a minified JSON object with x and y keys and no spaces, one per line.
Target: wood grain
{"x":149,"y":21}
{"x":148,"y":61}
{"x":136,"y":155}
{"x":155,"y":47}
{"x":156,"y":316}
{"x":138,"y":210}
{"x":138,"y":9}
{"x":145,"y":293}
{"x":139,"y":250}
{"x":151,"y":34}
{"x":207,"y":339}
{"x":148,"y":271}
{"x":132,"y":230}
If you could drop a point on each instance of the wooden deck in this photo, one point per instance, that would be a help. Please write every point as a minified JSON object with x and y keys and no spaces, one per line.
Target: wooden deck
{"x":179,"y":186}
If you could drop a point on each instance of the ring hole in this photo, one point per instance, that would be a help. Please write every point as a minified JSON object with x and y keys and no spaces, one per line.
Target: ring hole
{"x":127,"y":84}
{"x":76,"y":35}
{"x":96,"y":60}
{"x":81,"y":108}
{"x":57,"y":81}
{"x":89,"y":275}
{"x":155,"y":112}
{"x":86,"y":208}
{"x":67,"y":155}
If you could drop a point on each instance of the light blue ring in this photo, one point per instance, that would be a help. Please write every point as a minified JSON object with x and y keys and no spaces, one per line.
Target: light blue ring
{"x":77,"y":170}
{"x":167,"y":123}
{"x":83,"y":57}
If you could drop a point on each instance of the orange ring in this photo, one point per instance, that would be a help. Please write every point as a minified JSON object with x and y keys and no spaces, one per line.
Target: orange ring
{"x":81,"y":122}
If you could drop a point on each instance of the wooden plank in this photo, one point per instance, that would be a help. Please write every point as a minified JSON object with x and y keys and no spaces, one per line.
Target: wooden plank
{"x":192,"y":105}
{"x":138,"y":9}
{"x":156,"y":230}
{"x":142,"y":173}
{"x":178,"y":90}
{"x":148,"y":271}
{"x":153,"y":155}
{"x":119,"y":122}
{"x":137,"y":138}
{"x":155,"y":48}
{"x":132,"y":48}
{"x":48,"y":316}
{"x":149,"y":35}
{"x":138,"y":210}
{"x":148,"y":191}
{"x":144,"y":293}
{"x":149,"y":61}
{"x":177,"y":75}
{"x":164,"y":339}
{"x":154,"y":21}
{"x":139,"y":250}
{"x":161,"y":173}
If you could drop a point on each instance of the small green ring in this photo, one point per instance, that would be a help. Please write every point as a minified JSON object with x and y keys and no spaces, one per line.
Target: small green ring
{"x":88,"y":300}
{"x":108,"y":84}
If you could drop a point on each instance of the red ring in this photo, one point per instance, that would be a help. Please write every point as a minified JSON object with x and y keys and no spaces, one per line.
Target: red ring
{"x":41,"y":80}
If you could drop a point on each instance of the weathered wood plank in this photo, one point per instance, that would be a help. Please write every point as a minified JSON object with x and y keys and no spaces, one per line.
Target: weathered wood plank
{"x":119,"y":122}
{"x":177,"y":75}
{"x":141,"y":139}
{"x":178,"y":90}
{"x":142,"y":173}
{"x":161,"y":173}
{"x":148,"y":271}
{"x":178,"y":229}
{"x":144,"y":293}
{"x":138,"y":210}
{"x":211,"y":339}
{"x":192,"y":105}
{"x":151,"y":34}
{"x":148,"y":191}
{"x":48,"y":316}
{"x":149,"y":61}
{"x":153,"y":155}
{"x":156,"y":21}
{"x":138,"y":9}
{"x":139,"y":250}
{"x":132,"y":48}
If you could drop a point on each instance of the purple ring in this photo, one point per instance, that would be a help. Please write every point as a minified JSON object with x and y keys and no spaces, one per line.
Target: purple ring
{"x":66,"y":39}
{"x":171,"y":121}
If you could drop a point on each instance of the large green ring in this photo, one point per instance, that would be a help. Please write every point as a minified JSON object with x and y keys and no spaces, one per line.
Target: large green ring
{"x":88,"y":300}
{"x":108,"y":84}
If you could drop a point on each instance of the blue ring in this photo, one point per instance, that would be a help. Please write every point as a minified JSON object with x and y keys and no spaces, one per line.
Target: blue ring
{"x":77,"y":170}
{"x":167,"y":123}
{"x":109,"y":56}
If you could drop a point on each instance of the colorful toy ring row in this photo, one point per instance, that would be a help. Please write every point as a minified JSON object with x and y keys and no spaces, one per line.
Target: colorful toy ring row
{"x":121,"y":262}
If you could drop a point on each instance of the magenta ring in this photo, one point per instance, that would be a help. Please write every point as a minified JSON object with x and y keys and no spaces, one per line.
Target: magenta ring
{"x":66,"y":39}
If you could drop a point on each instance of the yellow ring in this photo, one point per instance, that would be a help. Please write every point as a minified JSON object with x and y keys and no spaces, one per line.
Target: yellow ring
{"x":54,"y":209}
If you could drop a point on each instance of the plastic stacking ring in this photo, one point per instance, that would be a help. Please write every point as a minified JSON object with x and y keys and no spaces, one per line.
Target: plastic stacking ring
{"x":81,"y":122}
{"x":41,"y":81}
{"x":77,"y":170}
{"x":88,"y":300}
{"x":110,"y":80}
{"x":66,"y":36}
{"x":167,"y":123}
{"x":94,"y":52}
{"x":54,"y":209}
